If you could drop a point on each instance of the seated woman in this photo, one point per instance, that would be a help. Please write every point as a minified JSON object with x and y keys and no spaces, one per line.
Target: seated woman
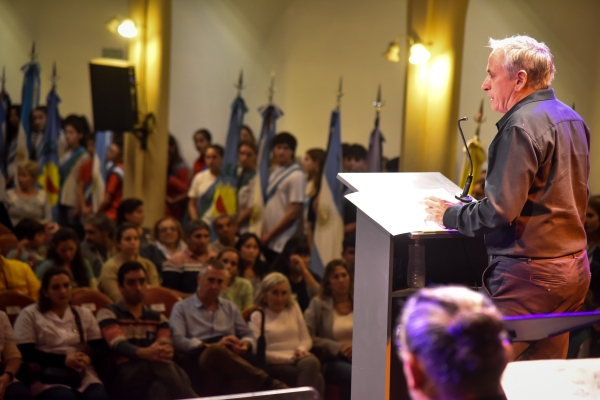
{"x":26,"y":200}
{"x":329,"y":319}
{"x":132,"y":211}
{"x":288,"y":354}
{"x":293,"y":263}
{"x":251,"y":266}
{"x":10,"y":356}
{"x":64,"y":251}
{"x":63,"y":339}
{"x":168,"y":240}
{"x":127,"y":241}
{"x":239,"y":290}
{"x":32,"y":239}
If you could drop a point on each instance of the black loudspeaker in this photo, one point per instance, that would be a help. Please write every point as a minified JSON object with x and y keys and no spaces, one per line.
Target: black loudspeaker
{"x":114,"y":96}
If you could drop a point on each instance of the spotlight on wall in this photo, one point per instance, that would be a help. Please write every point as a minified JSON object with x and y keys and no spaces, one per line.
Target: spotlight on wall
{"x":418,"y":54}
{"x":393,"y":52}
{"x":124,"y":27}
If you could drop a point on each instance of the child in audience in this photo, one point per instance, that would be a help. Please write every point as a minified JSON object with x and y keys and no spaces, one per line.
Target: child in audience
{"x":113,"y":193}
{"x":239,"y":290}
{"x":32,"y":239}
{"x":132,"y":211}
{"x":247,"y":164}
{"x":251,"y":266}
{"x":202,"y":140}
{"x":202,"y":190}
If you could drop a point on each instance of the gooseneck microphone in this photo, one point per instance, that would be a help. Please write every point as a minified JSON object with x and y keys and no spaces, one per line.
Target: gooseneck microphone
{"x":464,"y":195}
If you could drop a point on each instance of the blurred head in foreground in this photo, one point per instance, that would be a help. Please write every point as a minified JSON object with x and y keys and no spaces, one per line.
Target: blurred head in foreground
{"x":452,"y":344}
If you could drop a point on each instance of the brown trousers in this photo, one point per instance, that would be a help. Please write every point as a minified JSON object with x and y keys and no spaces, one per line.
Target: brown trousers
{"x":524,"y":286}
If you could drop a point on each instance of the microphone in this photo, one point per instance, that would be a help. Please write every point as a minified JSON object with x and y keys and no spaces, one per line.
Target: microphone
{"x":464,"y":195}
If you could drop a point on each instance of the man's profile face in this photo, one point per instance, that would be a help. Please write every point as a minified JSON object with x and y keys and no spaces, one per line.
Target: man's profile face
{"x":92,"y":235}
{"x":212,"y":283}
{"x":498,"y":85}
{"x":225,"y":229}
{"x":283,"y":154}
{"x":134,"y":287}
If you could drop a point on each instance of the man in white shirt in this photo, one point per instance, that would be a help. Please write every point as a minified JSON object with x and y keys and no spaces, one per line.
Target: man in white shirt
{"x":285,"y":197}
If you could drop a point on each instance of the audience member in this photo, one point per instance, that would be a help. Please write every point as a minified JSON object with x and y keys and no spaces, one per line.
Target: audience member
{"x":285,"y":197}
{"x":18,"y":277}
{"x":329,"y":319}
{"x":4,"y":217}
{"x":452,"y":344}
{"x":355,"y":160}
{"x":113,"y":192}
{"x":180,"y":271}
{"x":314,"y":161}
{"x":168,"y":240}
{"x":225,"y":229}
{"x":288,"y":341}
{"x":247,"y":158}
{"x":63,"y":339}
{"x":345,"y":157}
{"x":10,"y":142}
{"x":178,"y":182}
{"x":348,"y":251}
{"x":37,"y":126}
{"x":140,"y":342}
{"x":132,"y":210}
{"x":392,"y":165}
{"x":214,"y":338}
{"x":293,"y":263}
{"x":127,"y":241}
{"x":479,"y":190}
{"x":70,"y":161}
{"x":238,"y":290}
{"x":246,"y":135}
{"x":85,"y":179}
{"x":251,"y":266}
{"x":202,"y":190}
{"x":32,"y":238}
{"x":10,"y":356}
{"x":99,"y":244}
{"x":202,"y":140}
{"x":64,"y":251}
{"x":26,"y":200}
{"x":592,"y":230}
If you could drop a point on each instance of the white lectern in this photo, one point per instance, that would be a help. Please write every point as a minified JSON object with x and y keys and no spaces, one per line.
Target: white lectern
{"x":389,"y":219}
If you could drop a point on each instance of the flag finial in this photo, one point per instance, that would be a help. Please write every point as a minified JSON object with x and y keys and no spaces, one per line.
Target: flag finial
{"x":54,"y":78}
{"x":32,"y":55}
{"x":240,"y":85}
{"x":340,"y":94}
{"x":272,"y":88}
{"x":377,"y":103}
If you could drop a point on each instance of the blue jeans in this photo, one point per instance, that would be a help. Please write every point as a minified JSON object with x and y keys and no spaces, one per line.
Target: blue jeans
{"x":339,"y":372}
{"x":95,"y":391}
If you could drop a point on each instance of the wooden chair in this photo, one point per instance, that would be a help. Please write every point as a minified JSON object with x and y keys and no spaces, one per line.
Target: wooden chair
{"x":161,"y":299}
{"x":91,"y":299}
{"x":12,"y":303}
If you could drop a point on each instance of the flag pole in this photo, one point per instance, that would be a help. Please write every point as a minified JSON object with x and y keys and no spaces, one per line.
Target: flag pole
{"x":240,"y":85}
{"x":340,"y":94}
{"x":377,"y":104}
{"x":32,"y":55}
{"x":272,"y":88}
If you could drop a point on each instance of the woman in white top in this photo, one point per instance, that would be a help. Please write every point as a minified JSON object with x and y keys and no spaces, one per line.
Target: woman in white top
{"x":10,"y":389}
{"x":202,"y":190}
{"x":329,"y":319}
{"x":26,"y":200}
{"x":57,"y":336}
{"x":288,"y":341}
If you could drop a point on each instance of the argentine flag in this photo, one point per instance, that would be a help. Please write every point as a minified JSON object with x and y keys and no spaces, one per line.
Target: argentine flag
{"x":329,"y":227}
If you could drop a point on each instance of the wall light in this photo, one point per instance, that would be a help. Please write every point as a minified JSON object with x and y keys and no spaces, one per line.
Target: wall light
{"x":124,"y":27}
{"x":393,"y":52}
{"x":418,"y":54}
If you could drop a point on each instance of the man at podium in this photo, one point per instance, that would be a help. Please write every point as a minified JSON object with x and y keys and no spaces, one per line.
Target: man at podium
{"x":536,"y":194}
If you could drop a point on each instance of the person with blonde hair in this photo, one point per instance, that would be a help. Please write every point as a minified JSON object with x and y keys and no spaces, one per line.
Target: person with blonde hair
{"x":26,"y":200}
{"x":536,"y":193}
{"x":288,"y":341}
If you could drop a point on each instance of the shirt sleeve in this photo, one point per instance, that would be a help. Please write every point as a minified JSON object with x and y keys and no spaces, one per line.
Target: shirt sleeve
{"x":297,"y":188}
{"x":92,"y":329}
{"x":242,"y":330}
{"x":313,"y":318}
{"x":25,"y":327}
{"x":303,"y":335}
{"x":10,"y":349}
{"x":193,"y":192}
{"x":179,"y":329}
{"x":180,"y":182}
{"x":254,"y":325}
{"x":112,"y":183}
{"x":113,"y":334}
{"x":511,"y":170}
{"x":108,"y":281}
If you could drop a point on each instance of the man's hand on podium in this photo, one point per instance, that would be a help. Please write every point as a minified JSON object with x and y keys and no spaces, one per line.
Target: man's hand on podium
{"x":435,"y":209}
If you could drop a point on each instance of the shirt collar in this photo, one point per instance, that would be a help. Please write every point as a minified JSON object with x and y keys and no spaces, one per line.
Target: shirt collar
{"x":538,"y":95}
{"x":121,"y":306}
{"x":199,"y":304}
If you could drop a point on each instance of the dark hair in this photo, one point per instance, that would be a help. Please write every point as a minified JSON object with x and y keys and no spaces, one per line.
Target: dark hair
{"x":80,"y":124}
{"x":318,"y":156}
{"x":220,"y":217}
{"x":357,"y":151}
{"x":229,"y":249}
{"x":345,"y":149}
{"x":247,"y":143}
{"x":27,"y":228}
{"x":11,"y":131}
{"x":329,"y":270}
{"x":127,"y":268}
{"x":127,"y":206}
{"x":121,"y":229}
{"x":204,"y":132}
{"x":349,"y":241}
{"x":594,"y":205}
{"x":294,"y":246}
{"x":44,"y":302}
{"x":78,"y":266}
{"x":393,"y":165}
{"x":194,"y":226}
{"x":43,"y":109}
{"x":180,"y":233}
{"x":218,"y":148}
{"x":285,"y":138}
{"x":175,"y":159}
{"x":101,"y":222}
{"x":246,"y":127}
{"x":260,"y":268}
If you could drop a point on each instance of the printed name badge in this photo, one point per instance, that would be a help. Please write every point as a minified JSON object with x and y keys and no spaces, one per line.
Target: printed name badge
{"x":13,"y":310}
{"x":158,"y":307}
{"x":89,"y":306}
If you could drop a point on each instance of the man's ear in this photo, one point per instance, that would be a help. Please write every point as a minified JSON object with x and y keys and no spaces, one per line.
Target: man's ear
{"x":522,"y":80}
{"x":413,"y":371}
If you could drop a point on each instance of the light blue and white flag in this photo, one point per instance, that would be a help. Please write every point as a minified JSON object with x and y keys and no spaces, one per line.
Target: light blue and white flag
{"x":375,"y":149}
{"x":329,"y":227}
{"x":30,"y":97}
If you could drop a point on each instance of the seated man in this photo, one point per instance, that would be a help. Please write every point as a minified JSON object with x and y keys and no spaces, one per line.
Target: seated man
{"x":210,"y":332}
{"x":180,"y":271}
{"x":140,"y":341}
{"x":32,"y":238}
{"x":453,"y":345}
{"x":99,"y":244}
{"x":225,"y":228}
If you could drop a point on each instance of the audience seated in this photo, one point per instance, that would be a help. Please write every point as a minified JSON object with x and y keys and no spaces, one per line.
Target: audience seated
{"x":127,"y":241}
{"x":288,"y":340}
{"x":293,"y":262}
{"x":113,"y":192}
{"x":453,"y":345}
{"x":251,"y":266}
{"x":18,"y":277}
{"x":10,"y":357}
{"x":180,"y":271}
{"x":132,"y":211}
{"x":201,"y":196}
{"x":247,"y":158}
{"x":168,"y":240}
{"x":99,"y":244}
{"x":32,"y":238}
{"x":178,"y":182}
{"x":349,"y":250}
{"x":202,"y":140}
{"x":64,"y":251}
{"x":238,"y":290}
{"x":329,"y":319}
{"x":140,"y":344}
{"x":225,"y":229}
{"x":64,"y":340}
{"x":26,"y":200}
{"x":213,"y":338}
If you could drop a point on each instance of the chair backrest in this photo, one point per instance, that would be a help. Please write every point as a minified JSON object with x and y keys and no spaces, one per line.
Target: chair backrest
{"x":161,"y":299}
{"x":12,"y":303}
{"x":90,"y":299}
{"x":247,"y":312}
